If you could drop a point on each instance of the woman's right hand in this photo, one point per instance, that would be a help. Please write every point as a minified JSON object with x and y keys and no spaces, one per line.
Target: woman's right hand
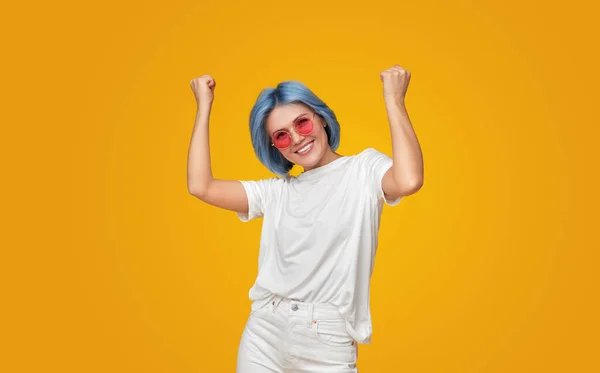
{"x":204,"y":90}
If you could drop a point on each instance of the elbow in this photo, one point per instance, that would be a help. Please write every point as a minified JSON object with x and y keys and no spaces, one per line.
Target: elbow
{"x":198,"y":187}
{"x":416,"y":185}
{"x":408,"y":188}
{"x":196,"y":191}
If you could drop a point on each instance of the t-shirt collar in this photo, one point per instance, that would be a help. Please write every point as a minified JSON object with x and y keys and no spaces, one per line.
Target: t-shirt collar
{"x":319,"y":171}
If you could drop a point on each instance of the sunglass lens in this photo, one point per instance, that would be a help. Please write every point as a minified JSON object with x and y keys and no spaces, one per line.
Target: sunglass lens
{"x":282,"y":140}
{"x":304,"y":126}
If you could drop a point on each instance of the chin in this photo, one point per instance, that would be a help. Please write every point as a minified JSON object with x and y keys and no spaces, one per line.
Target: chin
{"x":310,"y":160}
{"x":306,"y":165}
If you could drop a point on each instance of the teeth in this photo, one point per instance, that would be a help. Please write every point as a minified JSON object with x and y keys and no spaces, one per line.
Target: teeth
{"x":305,"y":148}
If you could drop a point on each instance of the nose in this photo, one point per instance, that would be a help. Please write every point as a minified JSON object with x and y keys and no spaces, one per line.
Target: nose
{"x":296,"y":138}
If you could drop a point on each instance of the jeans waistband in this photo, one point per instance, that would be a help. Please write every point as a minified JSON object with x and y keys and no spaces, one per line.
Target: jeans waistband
{"x":309,"y":311}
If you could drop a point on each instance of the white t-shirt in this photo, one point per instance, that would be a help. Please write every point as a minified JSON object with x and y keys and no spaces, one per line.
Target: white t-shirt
{"x":319,"y":235}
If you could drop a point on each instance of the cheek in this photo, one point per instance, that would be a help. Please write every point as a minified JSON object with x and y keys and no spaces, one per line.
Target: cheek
{"x":323,"y":136}
{"x":288,"y":154}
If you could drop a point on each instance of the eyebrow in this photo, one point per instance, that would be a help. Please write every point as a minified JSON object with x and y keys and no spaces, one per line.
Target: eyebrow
{"x":294,"y":121}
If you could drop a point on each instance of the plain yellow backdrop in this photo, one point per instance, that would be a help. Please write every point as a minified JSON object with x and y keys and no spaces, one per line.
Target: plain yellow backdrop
{"x":109,"y":265}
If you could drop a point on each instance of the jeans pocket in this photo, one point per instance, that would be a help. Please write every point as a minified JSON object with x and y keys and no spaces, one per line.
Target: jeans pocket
{"x":333,"y":333}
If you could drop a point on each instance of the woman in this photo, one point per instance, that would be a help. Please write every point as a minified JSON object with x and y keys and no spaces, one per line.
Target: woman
{"x":310,"y":304}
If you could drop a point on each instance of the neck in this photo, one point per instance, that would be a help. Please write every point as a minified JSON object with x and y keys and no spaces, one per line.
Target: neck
{"x":328,"y":157}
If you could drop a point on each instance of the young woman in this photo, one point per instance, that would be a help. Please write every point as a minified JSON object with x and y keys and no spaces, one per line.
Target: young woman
{"x":310,"y":304}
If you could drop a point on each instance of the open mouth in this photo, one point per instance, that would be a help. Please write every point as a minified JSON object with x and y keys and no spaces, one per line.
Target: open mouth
{"x":304,"y":150}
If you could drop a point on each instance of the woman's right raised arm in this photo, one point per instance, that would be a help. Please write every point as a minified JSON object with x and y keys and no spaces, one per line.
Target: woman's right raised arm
{"x":227,"y":194}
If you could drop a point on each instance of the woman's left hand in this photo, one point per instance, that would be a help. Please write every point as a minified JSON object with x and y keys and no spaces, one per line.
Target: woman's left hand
{"x":395,"y":83}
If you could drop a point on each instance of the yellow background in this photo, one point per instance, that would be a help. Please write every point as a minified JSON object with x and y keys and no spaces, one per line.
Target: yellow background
{"x":109,"y":265}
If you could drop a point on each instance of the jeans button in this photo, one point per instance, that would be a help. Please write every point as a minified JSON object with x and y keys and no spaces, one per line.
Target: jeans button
{"x":294,"y":307}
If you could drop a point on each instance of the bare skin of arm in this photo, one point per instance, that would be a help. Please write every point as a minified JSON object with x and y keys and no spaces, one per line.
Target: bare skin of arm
{"x":405,"y":177}
{"x":226,"y":194}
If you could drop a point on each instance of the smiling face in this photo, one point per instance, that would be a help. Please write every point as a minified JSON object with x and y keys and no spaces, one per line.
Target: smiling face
{"x":309,"y":151}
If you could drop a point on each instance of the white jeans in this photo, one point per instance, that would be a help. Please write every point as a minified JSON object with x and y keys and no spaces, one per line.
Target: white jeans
{"x":286,"y":336}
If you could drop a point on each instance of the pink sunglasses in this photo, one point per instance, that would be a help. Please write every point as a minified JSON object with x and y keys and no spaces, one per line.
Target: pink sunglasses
{"x":282,"y":139}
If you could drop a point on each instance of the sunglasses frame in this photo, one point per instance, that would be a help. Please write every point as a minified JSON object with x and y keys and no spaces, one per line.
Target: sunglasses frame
{"x":294,"y":129}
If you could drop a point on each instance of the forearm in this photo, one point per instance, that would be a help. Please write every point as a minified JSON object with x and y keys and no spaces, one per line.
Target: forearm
{"x":199,"y":172}
{"x":406,"y":151}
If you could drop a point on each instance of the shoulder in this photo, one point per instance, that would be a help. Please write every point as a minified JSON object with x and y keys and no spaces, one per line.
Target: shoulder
{"x":370,"y":152}
{"x":266,"y":184}
{"x":371,"y":155}
{"x":276,"y":182}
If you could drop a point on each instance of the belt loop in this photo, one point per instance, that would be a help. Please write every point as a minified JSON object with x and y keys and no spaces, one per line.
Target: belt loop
{"x":276,"y":303}
{"x":310,"y":315}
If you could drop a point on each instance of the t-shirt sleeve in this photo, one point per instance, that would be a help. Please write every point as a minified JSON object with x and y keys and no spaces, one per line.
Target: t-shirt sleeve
{"x":376,"y":165}
{"x":257,"y":192}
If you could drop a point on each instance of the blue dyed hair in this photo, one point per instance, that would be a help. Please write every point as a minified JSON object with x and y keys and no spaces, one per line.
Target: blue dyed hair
{"x":288,"y":92}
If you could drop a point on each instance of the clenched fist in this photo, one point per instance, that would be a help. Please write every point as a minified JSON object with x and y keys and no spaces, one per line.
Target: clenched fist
{"x":395,"y":83}
{"x":204,"y":90}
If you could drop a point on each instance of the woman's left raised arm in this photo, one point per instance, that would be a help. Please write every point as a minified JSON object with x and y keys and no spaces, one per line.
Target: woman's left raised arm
{"x":405,"y":177}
